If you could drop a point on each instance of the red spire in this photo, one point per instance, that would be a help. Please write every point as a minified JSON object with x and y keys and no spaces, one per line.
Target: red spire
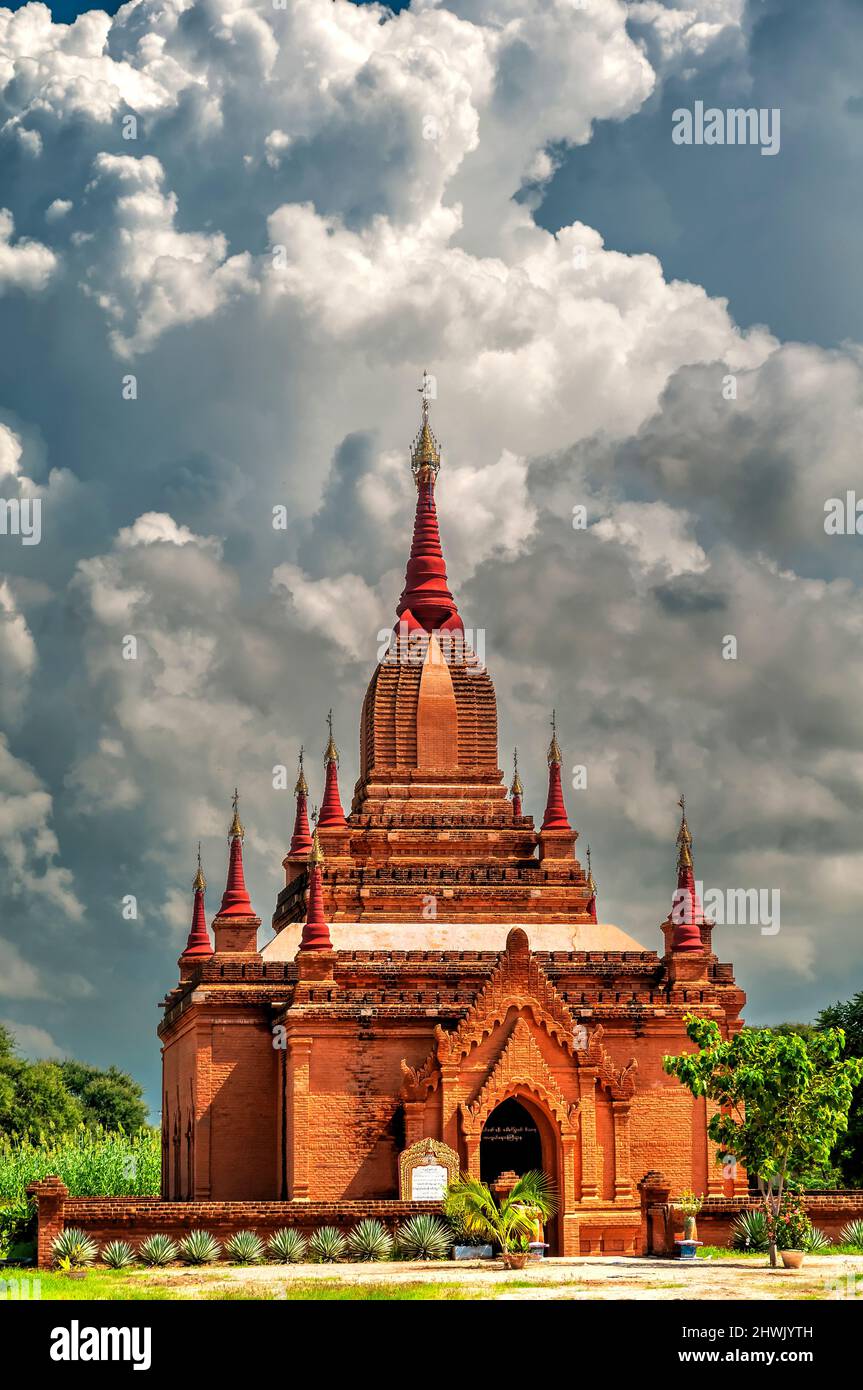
{"x":591,"y":884}
{"x":332,"y":812}
{"x":199,"y":943}
{"x":687,"y":914}
{"x":301,"y":840}
{"x":555,"y":811}
{"x":316,"y":933}
{"x":516,"y":790}
{"x":426,"y":601}
{"x":235,"y":899}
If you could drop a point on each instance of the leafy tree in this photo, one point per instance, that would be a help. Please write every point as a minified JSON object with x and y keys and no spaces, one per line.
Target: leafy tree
{"x":783,"y":1099}
{"x":109,"y":1098}
{"x":848,"y":1154}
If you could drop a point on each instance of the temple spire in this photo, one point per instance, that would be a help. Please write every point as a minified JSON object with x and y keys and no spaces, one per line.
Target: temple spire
{"x":332,"y":811}
{"x":426,"y":602}
{"x":687,"y":914}
{"x":516,"y":791}
{"x":316,"y":933}
{"x":198,"y":944}
{"x":591,"y":888}
{"x":555,"y":817}
{"x":235,"y":899}
{"x":301,"y":840}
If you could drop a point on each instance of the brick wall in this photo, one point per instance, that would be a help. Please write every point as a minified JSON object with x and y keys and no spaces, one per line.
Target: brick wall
{"x":829,"y":1211}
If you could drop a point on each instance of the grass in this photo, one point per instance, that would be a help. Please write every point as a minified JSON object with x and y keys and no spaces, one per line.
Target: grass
{"x":130,"y":1285}
{"x":92,"y":1163}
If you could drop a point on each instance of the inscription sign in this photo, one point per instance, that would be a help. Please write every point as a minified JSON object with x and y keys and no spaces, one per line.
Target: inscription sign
{"x":425,"y":1171}
{"x":429,"y":1181}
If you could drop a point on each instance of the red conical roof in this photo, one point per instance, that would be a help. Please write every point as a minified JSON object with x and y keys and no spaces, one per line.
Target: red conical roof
{"x":316,"y":933}
{"x":235,"y":899}
{"x":426,"y":601}
{"x":687,"y":914}
{"x":301,"y":840}
{"x":555,"y":817}
{"x":332,"y":811}
{"x":199,"y":943}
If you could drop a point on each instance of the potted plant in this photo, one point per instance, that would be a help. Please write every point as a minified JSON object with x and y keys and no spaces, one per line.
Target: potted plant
{"x":790,"y":1228}
{"x":509,"y":1223}
{"x":689,"y":1205}
{"x":467,"y":1245}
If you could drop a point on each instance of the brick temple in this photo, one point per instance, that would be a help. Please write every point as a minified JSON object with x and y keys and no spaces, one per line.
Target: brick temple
{"x":438,"y":972}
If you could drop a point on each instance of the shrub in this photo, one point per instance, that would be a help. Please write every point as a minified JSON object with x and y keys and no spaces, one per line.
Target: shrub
{"x":245,"y":1248}
{"x":199,"y":1248}
{"x":749,"y":1231}
{"x":118,"y":1254}
{"x":158,"y":1250}
{"x":287,"y":1246}
{"x":92,"y":1163}
{"x":17,"y":1224}
{"x":815,"y":1242}
{"x":327,"y":1245}
{"x":74,"y":1249}
{"x":791,"y":1226}
{"x":852,"y":1234}
{"x":370,"y":1240}
{"x":424,"y":1237}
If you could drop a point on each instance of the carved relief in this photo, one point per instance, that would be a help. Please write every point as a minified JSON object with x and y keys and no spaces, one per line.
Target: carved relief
{"x":520,"y":1067}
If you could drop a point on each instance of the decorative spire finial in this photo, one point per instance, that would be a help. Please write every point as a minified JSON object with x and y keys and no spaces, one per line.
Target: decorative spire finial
{"x":302,"y":786}
{"x":331,"y":752}
{"x":200,"y":882}
{"x":425,"y":452}
{"x":516,"y":789}
{"x":236,"y":825}
{"x":684,"y":838}
{"x":316,"y":853}
{"x":554,"y":754}
{"x":591,"y":882}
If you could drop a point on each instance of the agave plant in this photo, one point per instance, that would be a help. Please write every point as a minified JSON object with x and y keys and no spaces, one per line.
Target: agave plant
{"x":118,"y":1254}
{"x":512,"y":1222}
{"x":424,"y":1237}
{"x":852,"y":1234}
{"x":327,"y":1245}
{"x":816,"y":1241}
{"x":158,"y":1250}
{"x":288,"y":1246}
{"x":749,"y":1231}
{"x":370,"y":1240}
{"x":245,"y":1248}
{"x":73,"y":1249}
{"x":199,"y":1248}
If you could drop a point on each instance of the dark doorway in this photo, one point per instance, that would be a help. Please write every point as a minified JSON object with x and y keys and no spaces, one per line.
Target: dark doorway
{"x":510,"y":1142}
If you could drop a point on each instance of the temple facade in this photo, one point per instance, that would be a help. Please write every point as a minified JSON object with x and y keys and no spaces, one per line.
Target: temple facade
{"x":438,"y":972}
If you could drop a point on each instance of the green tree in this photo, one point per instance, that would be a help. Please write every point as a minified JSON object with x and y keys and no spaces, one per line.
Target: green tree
{"x":848,"y":1155}
{"x":110,"y":1099}
{"x":784,"y":1099}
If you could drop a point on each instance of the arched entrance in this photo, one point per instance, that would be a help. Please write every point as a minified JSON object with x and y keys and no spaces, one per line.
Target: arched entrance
{"x":510,"y":1142}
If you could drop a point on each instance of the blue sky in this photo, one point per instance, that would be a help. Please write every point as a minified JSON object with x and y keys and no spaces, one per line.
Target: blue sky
{"x":231,"y":308}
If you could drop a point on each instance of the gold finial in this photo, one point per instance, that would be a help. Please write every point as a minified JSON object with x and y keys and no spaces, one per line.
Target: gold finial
{"x":316,"y":854}
{"x":591,"y":881}
{"x":331,"y":752}
{"x":236,"y":825}
{"x":516,"y":789}
{"x":684,"y":839}
{"x":302,"y":785}
{"x":200,"y":882}
{"x":554,"y":754}
{"x":425,"y":451}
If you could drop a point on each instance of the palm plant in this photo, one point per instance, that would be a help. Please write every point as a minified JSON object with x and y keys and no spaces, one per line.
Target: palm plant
{"x":287,"y":1245}
{"x":852,"y":1234}
{"x":327,"y":1245}
{"x":199,"y":1248}
{"x":424,"y":1237}
{"x":510,"y":1223}
{"x":816,"y":1241}
{"x":73,"y":1249}
{"x":245,"y":1248}
{"x":370,"y":1240}
{"x":118,"y":1254}
{"x":158,"y":1250}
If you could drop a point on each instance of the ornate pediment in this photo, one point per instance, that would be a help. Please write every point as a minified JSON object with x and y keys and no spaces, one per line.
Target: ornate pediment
{"x":520,"y":1069}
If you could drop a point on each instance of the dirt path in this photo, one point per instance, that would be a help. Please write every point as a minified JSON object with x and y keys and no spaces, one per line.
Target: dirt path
{"x":595,"y":1278}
